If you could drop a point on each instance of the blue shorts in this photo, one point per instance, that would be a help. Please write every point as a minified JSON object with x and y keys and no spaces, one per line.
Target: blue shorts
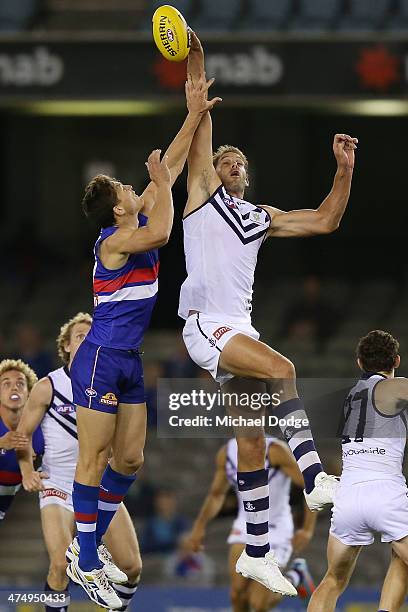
{"x":103,"y":377}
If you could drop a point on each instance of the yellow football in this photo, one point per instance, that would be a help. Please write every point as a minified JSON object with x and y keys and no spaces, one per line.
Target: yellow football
{"x":171,"y":33}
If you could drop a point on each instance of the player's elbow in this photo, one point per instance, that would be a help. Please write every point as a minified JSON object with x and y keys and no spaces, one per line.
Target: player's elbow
{"x":160,"y":238}
{"x":328,"y":226}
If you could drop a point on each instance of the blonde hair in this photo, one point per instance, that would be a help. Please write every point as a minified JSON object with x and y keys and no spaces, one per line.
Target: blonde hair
{"x":17,"y":364}
{"x":223,"y":149}
{"x":65,"y":333}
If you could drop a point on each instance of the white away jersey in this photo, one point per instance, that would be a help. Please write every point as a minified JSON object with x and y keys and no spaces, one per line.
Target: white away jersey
{"x":279,"y":487}
{"x":221,"y":243}
{"x":373,"y":445}
{"x":60,"y":432}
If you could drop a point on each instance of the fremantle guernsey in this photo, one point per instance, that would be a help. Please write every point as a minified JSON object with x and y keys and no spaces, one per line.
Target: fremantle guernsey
{"x":60,"y":433}
{"x":279,"y":487}
{"x":123,"y":298}
{"x":221,"y":243}
{"x":373,"y":445}
{"x":10,"y":475}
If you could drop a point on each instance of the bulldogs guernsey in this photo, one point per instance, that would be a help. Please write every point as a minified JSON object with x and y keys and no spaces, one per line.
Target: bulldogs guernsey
{"x":123,"y":298}
{"x":221,"y":243}
{"x":10,"y":475}
{"x":60,"y":434}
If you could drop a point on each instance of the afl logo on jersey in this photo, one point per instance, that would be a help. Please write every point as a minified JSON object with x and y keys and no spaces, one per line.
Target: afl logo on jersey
{"x":65,"y":408}
{"x":91,"y":392}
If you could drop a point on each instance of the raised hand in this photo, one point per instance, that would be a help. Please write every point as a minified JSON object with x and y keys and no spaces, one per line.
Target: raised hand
{"x":343,"y":149}
{"x":197,"y":95}
{"x":14,"y":440}
{"x":158,"y":170}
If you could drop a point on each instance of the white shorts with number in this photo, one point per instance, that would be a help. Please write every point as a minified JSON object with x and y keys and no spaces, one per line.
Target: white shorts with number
{"x":365,"y":508}
{"x":53,"y":494}
{"x":280,"y":539}
{"x":206,"y":336}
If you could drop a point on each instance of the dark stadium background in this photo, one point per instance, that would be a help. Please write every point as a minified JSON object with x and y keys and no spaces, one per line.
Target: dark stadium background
{"x":358,"y":275}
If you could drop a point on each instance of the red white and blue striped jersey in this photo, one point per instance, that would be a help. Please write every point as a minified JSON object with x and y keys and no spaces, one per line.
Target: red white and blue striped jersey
{"x":123,"y":298}
{"x":10,"y":475}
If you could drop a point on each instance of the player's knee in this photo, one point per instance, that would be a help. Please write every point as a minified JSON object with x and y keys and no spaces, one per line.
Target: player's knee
{"x":259,"y":603}
{"x":238,"y":596}
{"x":129,"y":463}
{"x":337,"y":580}
{"x":283,"y":368}
{"x":57,"y":573}
{"x":133,"y":569}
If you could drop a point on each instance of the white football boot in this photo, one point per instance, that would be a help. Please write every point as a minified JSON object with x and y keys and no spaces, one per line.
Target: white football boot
{"x":95,"y":585}
{"x":323,"y":492}
{"x":113,"y":573}
{"x":266,"y":571}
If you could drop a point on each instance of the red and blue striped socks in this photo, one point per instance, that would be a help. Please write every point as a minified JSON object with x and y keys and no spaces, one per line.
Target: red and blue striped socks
{"x":112,"y":490}
{"x":85,"y":502}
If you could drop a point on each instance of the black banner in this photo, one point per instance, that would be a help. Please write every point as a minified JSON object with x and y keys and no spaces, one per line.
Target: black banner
{"x":246,"y":70}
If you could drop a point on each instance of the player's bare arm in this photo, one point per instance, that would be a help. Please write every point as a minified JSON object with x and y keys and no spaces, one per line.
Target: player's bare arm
{"x":212,"y":503}
{"x":391,"y":396}
{"x":281,"y":456}
{"x":33,"y":413}
{"x":202,"y":178}
{"x":115,"y":250}
{"x":197,"y":105}
{"x":326,"y":218}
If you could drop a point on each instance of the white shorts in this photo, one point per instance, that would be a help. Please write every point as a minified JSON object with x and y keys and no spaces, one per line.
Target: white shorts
{"x":365,"y":508}
{"x":280,"y":540}
{"x":205,"y":337}
{"x":55,"y":495}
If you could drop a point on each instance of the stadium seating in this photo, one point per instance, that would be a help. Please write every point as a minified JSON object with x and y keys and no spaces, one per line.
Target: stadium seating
{"x":216,"y":15}
{"x":316,"y":15}
{"x":366,"y":15}
{"x":16,"y":15}
{"x":398,"y":21}
{"x":269,"y":16}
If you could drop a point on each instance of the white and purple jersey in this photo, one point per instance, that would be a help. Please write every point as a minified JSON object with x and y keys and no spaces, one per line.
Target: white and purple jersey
{"x":124,"y":298}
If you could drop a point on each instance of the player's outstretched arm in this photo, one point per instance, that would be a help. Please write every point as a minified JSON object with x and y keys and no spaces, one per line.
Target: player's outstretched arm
{"x":157,"y":232}
{"x":212,"y":503}
{"x":281,"y":456}
{"x":325,"y":219}
{"x":197,"y":105}
{"x":33,"y":413}
{"x":196,"y":62}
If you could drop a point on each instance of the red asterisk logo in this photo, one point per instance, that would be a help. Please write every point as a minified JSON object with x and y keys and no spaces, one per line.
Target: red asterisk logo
{"x":378,"y":68}
{"x":171,"y":75}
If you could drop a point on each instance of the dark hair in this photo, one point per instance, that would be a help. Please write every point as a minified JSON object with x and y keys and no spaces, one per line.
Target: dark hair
{"x":99,"y":200}
{"x":377,"y":351}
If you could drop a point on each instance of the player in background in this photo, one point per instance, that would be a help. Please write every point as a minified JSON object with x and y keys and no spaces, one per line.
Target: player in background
{"x":372,"y":496}
{"x":107,"y":374}
{"x":282,"y":470}
{"x":222,"y":236}
{"x":16,"y":381}
{"x":50,"y":403}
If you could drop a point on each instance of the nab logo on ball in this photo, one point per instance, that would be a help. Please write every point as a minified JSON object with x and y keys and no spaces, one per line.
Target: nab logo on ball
{"x":171,"y":33}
